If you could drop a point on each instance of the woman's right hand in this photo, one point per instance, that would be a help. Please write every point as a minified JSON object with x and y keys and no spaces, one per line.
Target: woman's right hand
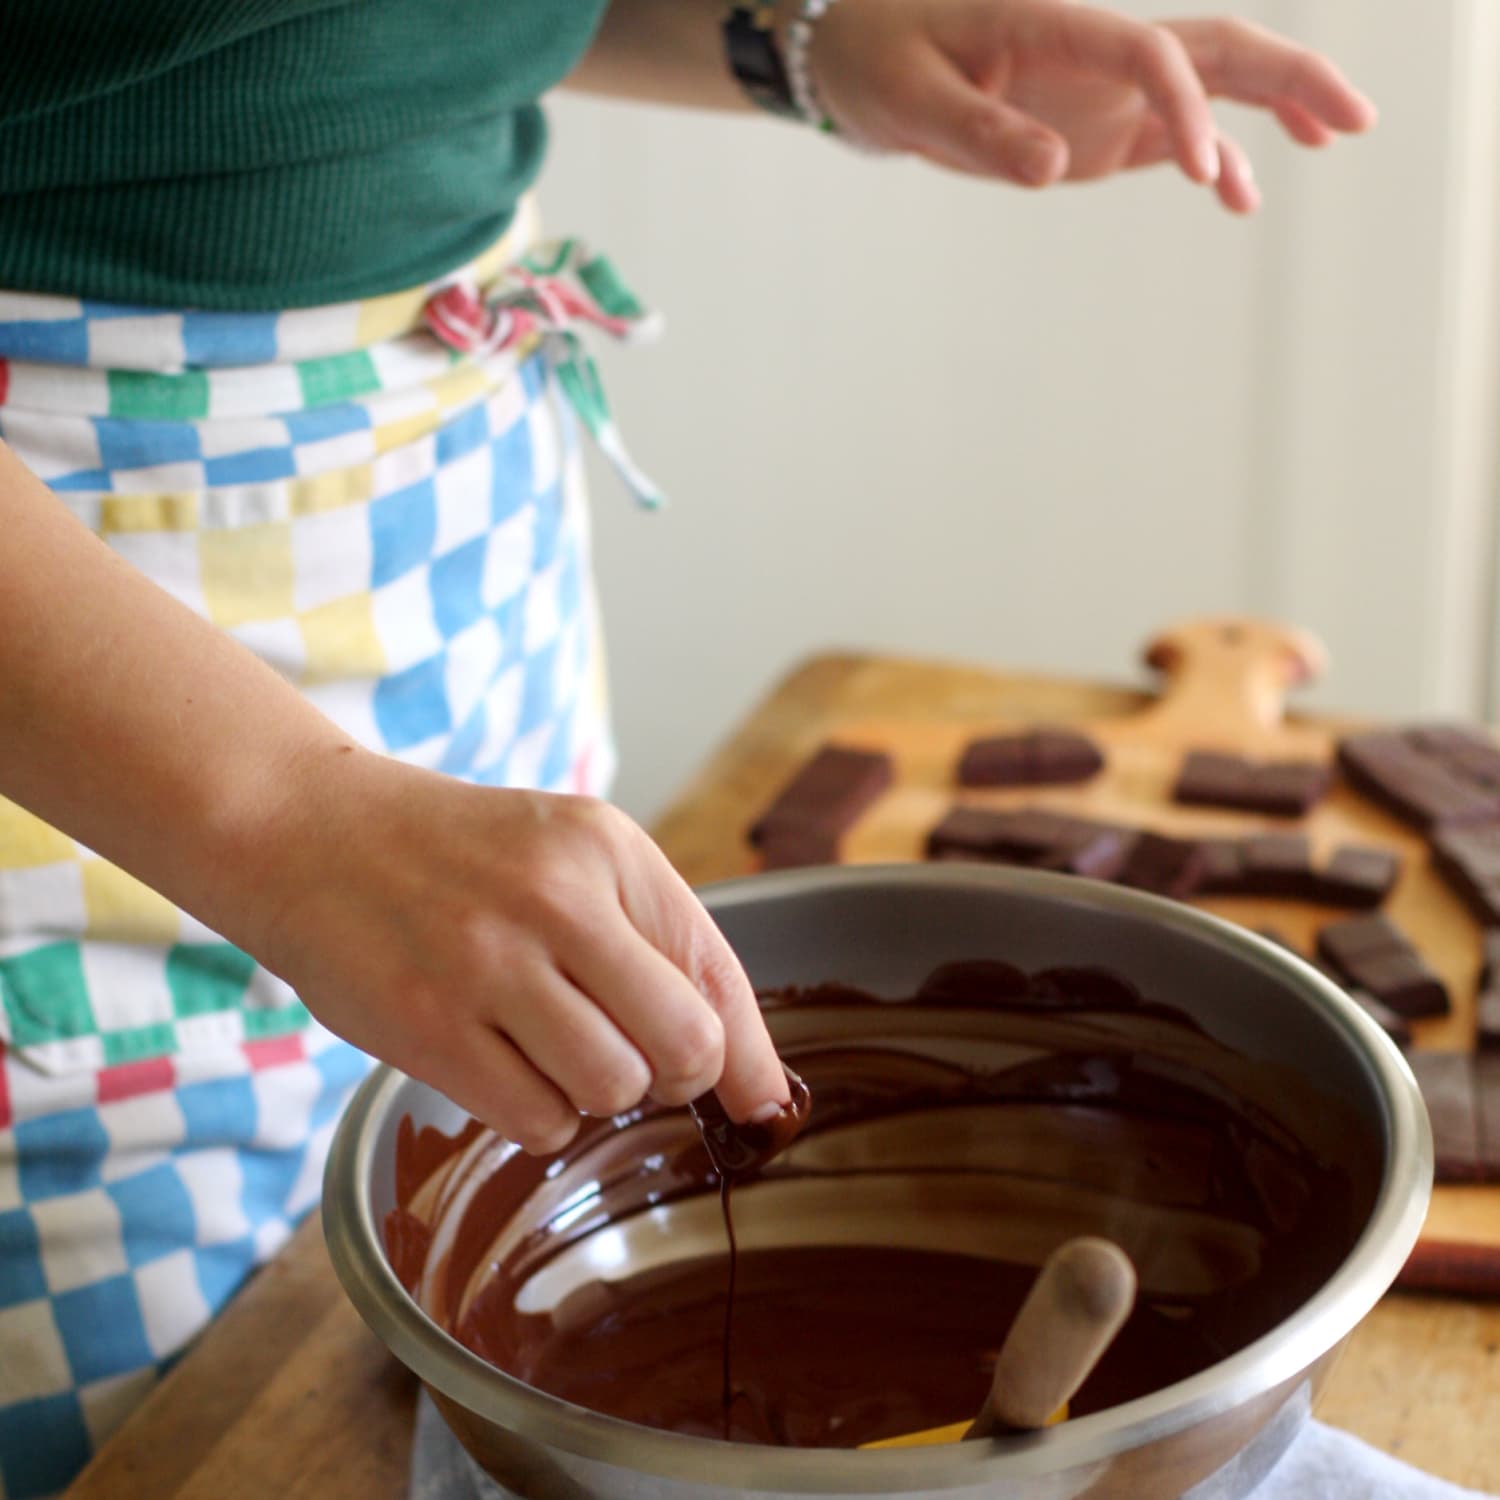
{"x":531,"y":956}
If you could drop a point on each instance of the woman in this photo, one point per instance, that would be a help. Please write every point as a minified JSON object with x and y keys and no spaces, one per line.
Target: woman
{"x":302,"y":700}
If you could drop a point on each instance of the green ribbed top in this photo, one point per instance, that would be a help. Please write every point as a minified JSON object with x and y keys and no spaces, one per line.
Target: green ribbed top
{"x":267,"y":153}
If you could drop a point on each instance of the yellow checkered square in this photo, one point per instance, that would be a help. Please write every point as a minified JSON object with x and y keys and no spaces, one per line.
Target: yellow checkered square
{"x":246,"y":574}
{"x":26,"y":841}
{"x":341,"y":641}
{"x":121,"y":909}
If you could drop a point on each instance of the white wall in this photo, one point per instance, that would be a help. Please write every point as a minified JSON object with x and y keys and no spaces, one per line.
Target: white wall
{"x":900,"y":410}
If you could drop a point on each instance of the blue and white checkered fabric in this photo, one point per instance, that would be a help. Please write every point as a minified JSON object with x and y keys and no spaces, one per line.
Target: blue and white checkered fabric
{"x":401,"y":530}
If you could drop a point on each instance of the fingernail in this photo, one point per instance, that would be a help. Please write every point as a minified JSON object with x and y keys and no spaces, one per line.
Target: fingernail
{"x":765,"y":1114}
{"x":1037,"y":157}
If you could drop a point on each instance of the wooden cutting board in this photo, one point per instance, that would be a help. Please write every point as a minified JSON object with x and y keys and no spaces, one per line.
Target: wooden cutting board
{"x":1225,"y":684}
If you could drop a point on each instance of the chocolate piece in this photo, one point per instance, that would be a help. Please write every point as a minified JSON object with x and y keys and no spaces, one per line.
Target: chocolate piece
{"x":826,"y":796}
{"x":1282,"y":788}
{"x":1447,"y":1083}
{"x":1166,"y":866}
{"x":1373,"y":954}
{"x":1222,"y":867}
{"x":793,"y":848}
{"x":1464,"y":749}
{"x":738,"y":1150}
{"x":1469,"y":860}
{"x":1038,"y":757}
{"x":1487,"y":1107}
{"x":1382,"y":1015}
{"x":1356,"y":875}
{"x":1277,"y":864}
{"x":1417,"y":779}
{"x":1489,"y":957}
{"x":1487,"y":1020}
{"x":1030,"y":836}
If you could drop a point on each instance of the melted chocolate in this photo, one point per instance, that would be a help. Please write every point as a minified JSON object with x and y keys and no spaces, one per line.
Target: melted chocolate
{"x":959,"y":1137}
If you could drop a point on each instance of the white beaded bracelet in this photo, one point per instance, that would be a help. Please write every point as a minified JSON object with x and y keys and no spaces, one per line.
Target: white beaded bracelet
{"x":799,"y":35}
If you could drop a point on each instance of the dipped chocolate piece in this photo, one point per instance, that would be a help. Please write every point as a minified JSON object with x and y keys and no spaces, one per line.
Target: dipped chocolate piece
{"x":1373,"y":954}
{"x":737,"y":1150}
{"x":1287,"y":789}
{"x":1031,"y":836}
{"x":1468,"y":859}
{"x":823,"y":801}
{"x":1429,"y":776}
{"x":1036,"y":757}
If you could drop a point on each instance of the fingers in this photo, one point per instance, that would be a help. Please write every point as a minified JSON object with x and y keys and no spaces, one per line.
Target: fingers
{"x":1242,"y":61}
{"x":1304,"y":128}
{"x":652,"y":1001}
{"x":1152,"y":58}
{"x":1236,"y":185}
{"x":575,"y":1044}
{"x":960,"y":126}
{"x":664,"y":910}
{"x":490,"y":1078}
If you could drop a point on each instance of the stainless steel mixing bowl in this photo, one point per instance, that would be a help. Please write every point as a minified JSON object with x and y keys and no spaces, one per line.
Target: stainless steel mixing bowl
{"x":1211,"y":1437}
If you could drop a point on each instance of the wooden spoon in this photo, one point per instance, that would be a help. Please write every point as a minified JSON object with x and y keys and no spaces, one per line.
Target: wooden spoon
{"x":1078,"y":1303}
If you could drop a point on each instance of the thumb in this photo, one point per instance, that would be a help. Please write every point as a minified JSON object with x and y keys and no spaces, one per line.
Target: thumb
{"x":957,"y":125}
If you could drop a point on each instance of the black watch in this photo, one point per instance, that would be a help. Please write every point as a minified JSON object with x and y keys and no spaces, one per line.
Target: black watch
{"x":755,"y":57}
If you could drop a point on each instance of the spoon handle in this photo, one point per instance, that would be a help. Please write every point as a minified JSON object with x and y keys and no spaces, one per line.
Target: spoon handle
{"x":1080,"y":1299}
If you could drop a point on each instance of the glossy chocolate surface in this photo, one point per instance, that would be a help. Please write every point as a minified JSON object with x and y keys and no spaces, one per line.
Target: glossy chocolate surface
{"x":957,"y":1137}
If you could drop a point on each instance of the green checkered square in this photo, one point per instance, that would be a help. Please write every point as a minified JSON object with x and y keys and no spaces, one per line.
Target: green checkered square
{"x":206,"y":977}
{"x":260,"y":1024}
{"x":45,"y":995}
{"x":340,"y":377}
{"x":162,"y":398}
{"x":138,"y":1042}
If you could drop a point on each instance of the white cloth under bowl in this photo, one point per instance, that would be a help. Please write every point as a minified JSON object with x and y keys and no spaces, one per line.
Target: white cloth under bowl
{"x":1322,"y":1464}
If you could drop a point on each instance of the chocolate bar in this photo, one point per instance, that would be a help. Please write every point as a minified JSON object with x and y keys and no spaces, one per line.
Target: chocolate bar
{"x":1286,"y":789}
{"x":794,"y":848}
{"x":1277,"y":864}
{"x":1165,"y":866}
{"x":1371,"y":953}
{"x":1030,"y":836}
{"x":1423,"y":776}
{"x":1447,"y":1082}
{"x":1038,"y":757}
{"x":1280,"y":864}
{"x":1487,"y":1106}
{"x":1468,"y":858}
{"x":826,"y":796}
{"x":1356,"y":875}
{"x":1383,"y":1016}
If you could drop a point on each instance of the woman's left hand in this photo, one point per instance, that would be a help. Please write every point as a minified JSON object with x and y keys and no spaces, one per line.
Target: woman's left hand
{"x":1039,"y":91}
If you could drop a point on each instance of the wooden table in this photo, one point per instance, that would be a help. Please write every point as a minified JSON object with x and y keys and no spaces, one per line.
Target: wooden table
{"x":289,"y":1395}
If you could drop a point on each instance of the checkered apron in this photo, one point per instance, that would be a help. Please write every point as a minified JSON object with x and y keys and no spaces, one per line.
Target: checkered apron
{"x":384,"y":501}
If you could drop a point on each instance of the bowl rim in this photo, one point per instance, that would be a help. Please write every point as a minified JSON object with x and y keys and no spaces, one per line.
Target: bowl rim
{"x":1315,"y":1328}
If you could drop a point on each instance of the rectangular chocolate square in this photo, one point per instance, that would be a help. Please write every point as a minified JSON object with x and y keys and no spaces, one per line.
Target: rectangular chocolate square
{"x":1280,"y":788}
{"x":827,"y":794}
{"x":1036,"y":757}
{"x":1221,"y":867}
{"x":1277,"y":864}
{"x":1416,"y":786}
{"x":1029,"y":836}
{"x":1169,"y":867}
{"x":1468,"y":751}
{"x":1394,"y":1026}
{"x":1447,"y":1083}
{"x":1356,"y":875}
{"x":1487,"y":1107}
{"x":1487,"y":1020}
{"x":1468,"y":859}
{"x":1372,"y":953}
{"x":791,"y":849}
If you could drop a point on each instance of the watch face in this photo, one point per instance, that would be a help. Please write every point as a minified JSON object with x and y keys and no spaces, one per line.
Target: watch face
{"x":756,"y":61}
